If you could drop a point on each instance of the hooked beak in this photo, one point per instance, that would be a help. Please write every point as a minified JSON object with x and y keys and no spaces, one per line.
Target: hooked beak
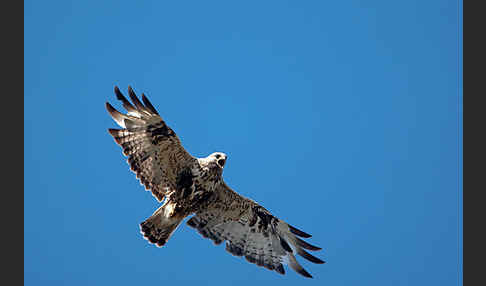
{"x":221,"y":162}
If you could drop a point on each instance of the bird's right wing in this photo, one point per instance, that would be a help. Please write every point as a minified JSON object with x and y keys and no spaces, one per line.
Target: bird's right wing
{"x":154,"y":151}
{"x":253,"y":232}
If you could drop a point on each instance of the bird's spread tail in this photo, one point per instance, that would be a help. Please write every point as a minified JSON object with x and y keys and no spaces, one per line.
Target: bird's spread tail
{"x":158,"y":228}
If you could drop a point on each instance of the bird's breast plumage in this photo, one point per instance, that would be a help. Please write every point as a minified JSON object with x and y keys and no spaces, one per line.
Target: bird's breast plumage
{"x":195,"y":188}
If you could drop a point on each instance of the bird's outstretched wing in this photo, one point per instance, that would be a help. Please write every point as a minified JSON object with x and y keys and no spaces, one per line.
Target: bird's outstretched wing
{"x":154,"y":151}
{"x":253,"y":232}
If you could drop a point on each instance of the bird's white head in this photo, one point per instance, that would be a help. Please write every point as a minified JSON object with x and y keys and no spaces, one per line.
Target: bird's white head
{"x":218,"y":158}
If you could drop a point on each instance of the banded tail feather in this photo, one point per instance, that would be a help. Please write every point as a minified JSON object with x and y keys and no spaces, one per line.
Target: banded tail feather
{"x":159,"y":227}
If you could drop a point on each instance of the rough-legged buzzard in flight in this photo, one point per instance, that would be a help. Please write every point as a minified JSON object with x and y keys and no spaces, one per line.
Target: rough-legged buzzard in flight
{"x":189,"y":185}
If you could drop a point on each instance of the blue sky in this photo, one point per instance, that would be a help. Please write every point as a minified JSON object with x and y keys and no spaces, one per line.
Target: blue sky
{"x":340,"y":117}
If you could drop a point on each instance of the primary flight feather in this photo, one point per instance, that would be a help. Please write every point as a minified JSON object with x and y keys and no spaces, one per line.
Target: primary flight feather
{"x":194,"y":186}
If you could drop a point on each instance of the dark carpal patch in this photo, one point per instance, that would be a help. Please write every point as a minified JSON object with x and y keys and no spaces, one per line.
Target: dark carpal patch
{"x":265,"y":218}
{"x":253,"y":220}
{"x":184,"y":182}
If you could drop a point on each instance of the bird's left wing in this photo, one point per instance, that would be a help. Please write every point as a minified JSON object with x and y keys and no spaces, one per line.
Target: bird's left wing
{"x":153,"y":149}
{"x":253,"y":232}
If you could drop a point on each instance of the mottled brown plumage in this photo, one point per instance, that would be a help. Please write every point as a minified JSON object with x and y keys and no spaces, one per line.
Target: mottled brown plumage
{"x":189,"y":185}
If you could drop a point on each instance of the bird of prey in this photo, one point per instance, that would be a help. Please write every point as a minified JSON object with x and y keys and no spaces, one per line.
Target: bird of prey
{"x":194,"y":186}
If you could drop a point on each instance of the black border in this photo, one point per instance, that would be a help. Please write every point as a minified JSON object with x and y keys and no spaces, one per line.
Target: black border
{"x":473,"y":143}
{"x":12,"y":118}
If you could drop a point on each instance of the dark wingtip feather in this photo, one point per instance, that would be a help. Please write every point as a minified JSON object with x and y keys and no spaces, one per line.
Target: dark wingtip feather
{"x":305,"y":273}
{"x":297,"y":267}
{"x":130,"y":90}
{"x":110,"y":108}
{"x":118,"y":93}
{"x":306,"y":245}
{"x":131,"y":93}
{"x":135,"y":99}
{"x":148,"y":104}
{"x":115,"y":114}
{"x":309,"y":256}
{"x":128,"y":106}
{"x":285,"y":245}
{"x":298,"y":232}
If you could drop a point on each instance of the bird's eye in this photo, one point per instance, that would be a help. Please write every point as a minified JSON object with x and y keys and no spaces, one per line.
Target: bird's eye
{"x":218,"y":156}
{"x":221,"y":162}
